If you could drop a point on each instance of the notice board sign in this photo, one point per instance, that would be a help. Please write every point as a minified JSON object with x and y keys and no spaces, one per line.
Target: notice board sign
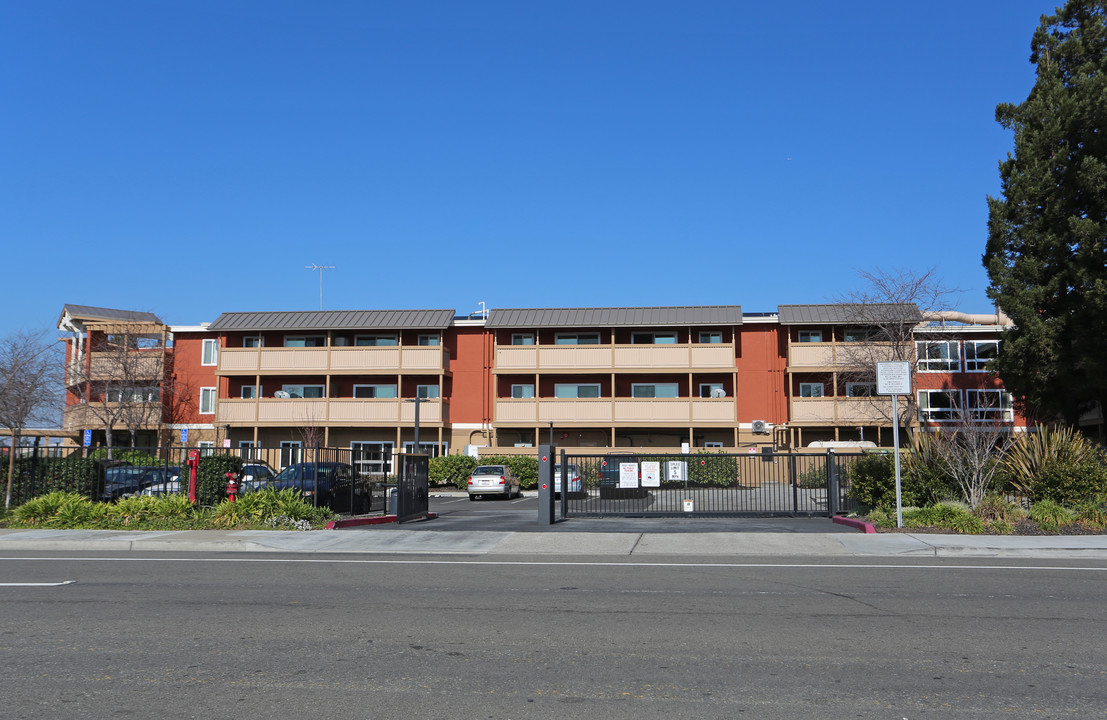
{"x":893,"y":378}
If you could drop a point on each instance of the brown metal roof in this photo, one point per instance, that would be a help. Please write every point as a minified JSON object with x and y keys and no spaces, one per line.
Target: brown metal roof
{"x":614,"y":317}
{"x":335,"y":320}
{"x":849,"y":314}
{"x":89,"y":313}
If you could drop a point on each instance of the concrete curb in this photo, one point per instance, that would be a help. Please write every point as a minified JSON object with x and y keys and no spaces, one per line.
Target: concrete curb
{"x":378,"y":520}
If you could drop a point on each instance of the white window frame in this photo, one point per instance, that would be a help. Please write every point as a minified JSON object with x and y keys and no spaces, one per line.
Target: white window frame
{"x":576,"y":338}
{"x":427,"y":392}
{"x":210,"y":352}
{"x":522,"y":389}
{"x":713,"y":444}
{"x":711,"y":337}
{"x":948,"y":360}
{"x":1001,"y":409}
{"x":206,"y":447}
{"x":706,"y":388}
{"x":522,"y":338}
{"x":298,"y":391}
{"x":429,"y":340}
{"x":292,"y":451}
{"x":255,"y":392}
{"x":810,"y":336}
{"x":853,"y":387}
{"x":208,"y":397}
{"x":364,"y":467}
{"x":431,"y":447}
{"x":559,"y":388}
{"x":253,"y":341}
{"x":976,"y":365}
{"x":247,"y":449}
{"x":641,"y":390}
{"x":375,"y":388}
{"x":305,"y":341}
{"x":377,"y":340}
{"x":807,"y":390}
{"x":944,"y":413}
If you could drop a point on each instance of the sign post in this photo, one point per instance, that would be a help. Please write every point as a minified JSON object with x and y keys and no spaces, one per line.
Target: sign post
{"x":894,"y":378}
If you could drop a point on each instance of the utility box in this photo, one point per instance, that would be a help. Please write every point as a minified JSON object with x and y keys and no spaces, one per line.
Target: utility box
{"x":546,"y":489}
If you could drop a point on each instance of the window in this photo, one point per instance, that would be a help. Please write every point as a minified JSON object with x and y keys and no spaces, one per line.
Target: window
{"x":207,"y":447}
{"x":430,"y":340}
{"x":290,"y":452}
{"x":712,"y":390}
{"x":253,"y":341}
{"x":304,"y":391}
{"x":712,"y":444}
{"x":305,"y":341}
{"x":713,"y":337}
{"x":810,"y":336}
{"x":133,"y":395}
{"x":653,"y":338}
{"x":371,"y":458}
{"x":811,"y":390}
{"x":210,"y":355}
{"x":860,"y":389}
{"x":989,"y":404}
{"x":247,"y":450}
{"x":249,"y":392}
{"x":939,"y":405}
{"x":377,"y":340}
{"x":654,"y":390}
{"x":522,"y":391}
{"x":428,"y":448}
{"x":375,"y":391}
{"x":577,"y":339}
{"x":860,"y":334}
{"x":430,"y":392}
{"x":978,"y":353}
{"x":573,"y":390}
{"x":939,"y":356}
{"x":522,"y":338}
{"x":207,"y":401}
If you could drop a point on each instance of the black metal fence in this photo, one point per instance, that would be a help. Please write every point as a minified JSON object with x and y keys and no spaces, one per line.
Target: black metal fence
{"x":764,"y":484}
{"x":339,"y":478}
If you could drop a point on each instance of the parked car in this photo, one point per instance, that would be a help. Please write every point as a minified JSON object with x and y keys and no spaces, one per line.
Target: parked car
{"x":254,"y":476}
{"x":575,"y":486}
{"x":493,"y":480}
{"x":126,"y":480}
{"x":325,"y":484}
{"x":609,"y":478}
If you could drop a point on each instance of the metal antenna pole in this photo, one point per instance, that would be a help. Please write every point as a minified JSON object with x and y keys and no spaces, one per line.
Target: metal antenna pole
{"x":320,"y":268}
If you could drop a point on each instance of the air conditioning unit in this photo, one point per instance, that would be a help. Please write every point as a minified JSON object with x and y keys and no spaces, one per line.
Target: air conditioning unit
{"x":282,"y":394}
{"x":760,"y":427}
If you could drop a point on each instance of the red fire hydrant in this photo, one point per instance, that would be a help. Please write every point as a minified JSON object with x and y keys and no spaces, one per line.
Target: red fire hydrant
{"x":193,"y":463}
{"x":232,"y":486}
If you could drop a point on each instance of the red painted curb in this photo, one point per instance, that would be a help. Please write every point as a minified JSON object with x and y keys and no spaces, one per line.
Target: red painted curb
{"x":865,"y":527}
{"x":378,"y":520}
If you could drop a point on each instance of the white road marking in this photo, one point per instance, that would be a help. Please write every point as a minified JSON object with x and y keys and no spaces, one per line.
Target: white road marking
{"x":53,"y":584}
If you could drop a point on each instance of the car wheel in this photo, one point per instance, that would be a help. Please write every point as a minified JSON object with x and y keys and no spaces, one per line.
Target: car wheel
{"x":472,"y":498}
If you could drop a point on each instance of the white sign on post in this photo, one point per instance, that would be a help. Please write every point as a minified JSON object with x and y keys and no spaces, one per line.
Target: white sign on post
{"x":628,"y":475}
{"x":651,"y":473}
{"x":894,"y":378}
{"x":676,"y":470}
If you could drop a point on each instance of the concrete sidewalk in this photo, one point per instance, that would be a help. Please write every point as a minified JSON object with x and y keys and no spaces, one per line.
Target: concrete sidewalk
{"x":548,"y":545}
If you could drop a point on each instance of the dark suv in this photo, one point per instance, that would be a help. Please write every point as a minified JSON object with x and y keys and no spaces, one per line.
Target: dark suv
{"x":609,"y":478}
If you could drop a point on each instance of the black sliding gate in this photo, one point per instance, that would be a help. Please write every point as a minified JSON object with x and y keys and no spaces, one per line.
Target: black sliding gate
{"x":765,"y":484}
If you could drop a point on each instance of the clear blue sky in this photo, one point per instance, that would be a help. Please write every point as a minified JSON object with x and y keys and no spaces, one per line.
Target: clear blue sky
{"x":189,"y":157}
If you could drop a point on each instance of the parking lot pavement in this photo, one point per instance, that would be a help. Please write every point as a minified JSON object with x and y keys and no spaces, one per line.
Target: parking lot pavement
{"x":458,"y":513}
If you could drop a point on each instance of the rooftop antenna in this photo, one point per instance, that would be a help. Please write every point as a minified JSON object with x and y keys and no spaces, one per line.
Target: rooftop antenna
{"x":320,"y":268}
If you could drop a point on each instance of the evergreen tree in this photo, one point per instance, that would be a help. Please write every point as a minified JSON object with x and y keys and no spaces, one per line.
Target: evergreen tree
{"x":1046,"y":256}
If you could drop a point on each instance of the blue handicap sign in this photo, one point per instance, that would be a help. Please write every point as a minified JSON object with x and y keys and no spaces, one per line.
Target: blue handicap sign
{"x":88,"y":438}
{"x":184,"y":435}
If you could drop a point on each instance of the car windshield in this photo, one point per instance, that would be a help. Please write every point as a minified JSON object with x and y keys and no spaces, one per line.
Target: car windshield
{"x":123,"y":474}
{"x":489,"y":470}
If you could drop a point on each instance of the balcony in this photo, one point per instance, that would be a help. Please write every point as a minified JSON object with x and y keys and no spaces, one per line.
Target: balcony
{"x":621,"y":411}
{"x":333,"y":411}
{"x":334,"y":360}
{"x":813,"y":356}
{"x":89,"y":415}
{"x":615,"y":358}
{"x":845,"y":411}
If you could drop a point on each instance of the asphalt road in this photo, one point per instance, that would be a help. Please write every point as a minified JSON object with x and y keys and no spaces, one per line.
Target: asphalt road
{"x":132,"y":635}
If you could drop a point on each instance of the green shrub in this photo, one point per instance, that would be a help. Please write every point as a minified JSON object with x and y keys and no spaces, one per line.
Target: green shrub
{"x":451,"y":470}
{"x":211,"y":477}
{"x":999,"y":527}
{"x":1037,"y":463}
{"x":873,"y":482}
{"x":994,"y":508}
{"x":948,"y":516}
{"x":1050,"y":516}
{"x":44,"y":475}
{"x":284,"y":508}
{"x":134,"y":457}
{"x":45,"y":509}
{"x":525,"y":468}
{"x":1093,"y":513}
{"x":1069,"y":482}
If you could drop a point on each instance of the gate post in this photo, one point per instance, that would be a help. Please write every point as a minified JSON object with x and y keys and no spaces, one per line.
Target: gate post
{"x":795,"y":482}
{"x":565,"y":485}
{"x":831,"y":483}
{"x":546,"y":462}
